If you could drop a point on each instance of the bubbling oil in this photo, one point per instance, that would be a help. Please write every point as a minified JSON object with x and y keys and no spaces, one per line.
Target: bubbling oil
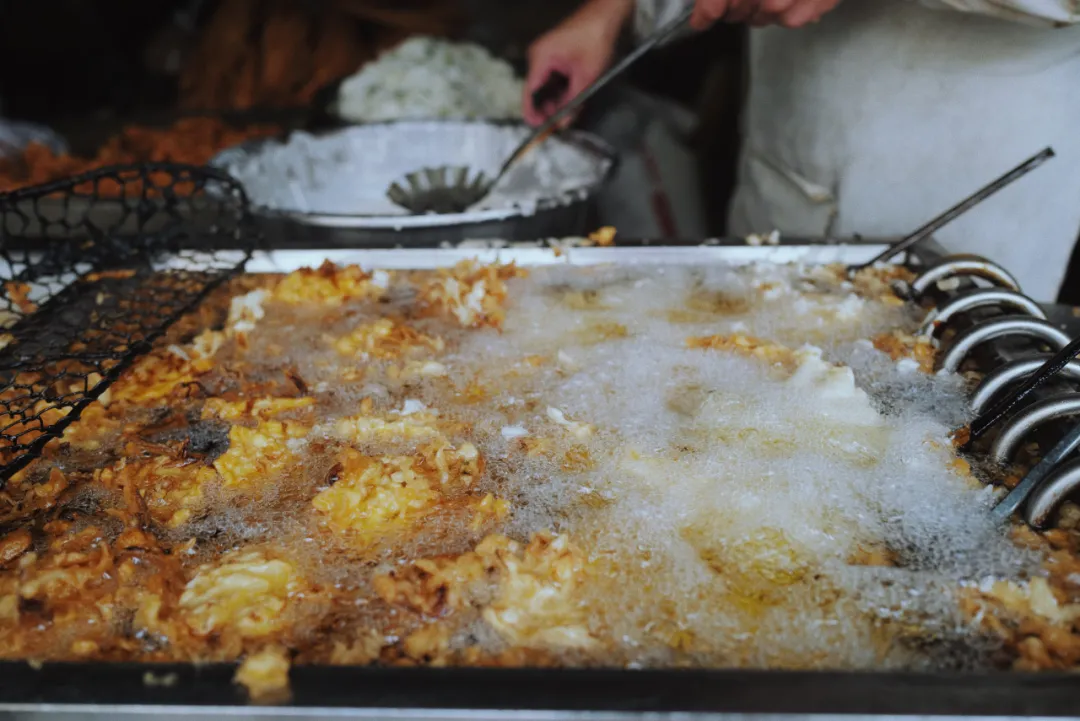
{"x":732,"y":512}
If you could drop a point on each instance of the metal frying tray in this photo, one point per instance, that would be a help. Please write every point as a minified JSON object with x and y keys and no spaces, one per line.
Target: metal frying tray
{"x":106,"y":690}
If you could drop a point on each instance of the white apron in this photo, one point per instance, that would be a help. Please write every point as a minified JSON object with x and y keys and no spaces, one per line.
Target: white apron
{"x":886,"y":113}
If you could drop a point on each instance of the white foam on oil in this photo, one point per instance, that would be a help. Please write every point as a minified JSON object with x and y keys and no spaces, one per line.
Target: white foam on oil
{"x":731,"y":512}
{"x":737,"y":502}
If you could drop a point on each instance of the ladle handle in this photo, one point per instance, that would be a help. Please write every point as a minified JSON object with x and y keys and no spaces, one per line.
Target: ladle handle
{"x":549,"y":126}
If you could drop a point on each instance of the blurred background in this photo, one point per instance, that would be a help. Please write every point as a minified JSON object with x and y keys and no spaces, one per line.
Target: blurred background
{"x":113,"y":79}
{"x":129,"y":80}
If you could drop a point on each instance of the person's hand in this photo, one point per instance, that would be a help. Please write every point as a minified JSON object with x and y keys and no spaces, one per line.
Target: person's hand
{"x":788,"y":13}
{"x":580,"y":48}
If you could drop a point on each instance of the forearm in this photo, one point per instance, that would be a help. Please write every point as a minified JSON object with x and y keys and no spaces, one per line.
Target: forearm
{"x":1046,"y":13}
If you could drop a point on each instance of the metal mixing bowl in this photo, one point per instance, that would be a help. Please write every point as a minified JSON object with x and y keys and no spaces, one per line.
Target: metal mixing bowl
{"x":301,"y":187}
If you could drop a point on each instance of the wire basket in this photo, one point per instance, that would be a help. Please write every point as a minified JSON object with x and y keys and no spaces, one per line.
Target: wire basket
{"x":95,"y":268}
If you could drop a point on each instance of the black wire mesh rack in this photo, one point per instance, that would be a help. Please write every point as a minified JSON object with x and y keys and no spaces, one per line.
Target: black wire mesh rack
{"x":95,"y":268}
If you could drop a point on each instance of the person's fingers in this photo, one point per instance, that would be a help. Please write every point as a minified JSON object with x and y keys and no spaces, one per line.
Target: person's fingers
{"x":550,"y":94}
{"x":538,"y":70}
{"x":550,"y":102}
{"x":769,"y":12}
{"x":580,"y":77}
{"x":808,"y":11}
{"x":740,"y":11}
{"x":543,"y":61}
{"x":532,"y":114}
{"x":798,"y":16}
{"x":707,"y":12}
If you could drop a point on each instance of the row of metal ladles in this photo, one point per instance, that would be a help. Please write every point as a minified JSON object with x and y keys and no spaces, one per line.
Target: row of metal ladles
{"x":1026,"y":392}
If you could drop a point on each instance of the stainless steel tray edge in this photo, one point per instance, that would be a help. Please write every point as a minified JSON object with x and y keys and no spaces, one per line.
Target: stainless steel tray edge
{"x":108,"y":690}
{"x":275,"y":261}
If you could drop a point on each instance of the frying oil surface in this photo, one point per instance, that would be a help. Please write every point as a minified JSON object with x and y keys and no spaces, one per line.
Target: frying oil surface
{"x":618,"y":466}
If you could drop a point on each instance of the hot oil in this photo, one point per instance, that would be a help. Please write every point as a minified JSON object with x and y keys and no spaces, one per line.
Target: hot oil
{"x":727,"y":512}
{"x":734,"y":547}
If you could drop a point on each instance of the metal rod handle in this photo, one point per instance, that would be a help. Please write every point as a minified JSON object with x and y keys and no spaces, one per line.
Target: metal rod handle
{"x":962,"y":207}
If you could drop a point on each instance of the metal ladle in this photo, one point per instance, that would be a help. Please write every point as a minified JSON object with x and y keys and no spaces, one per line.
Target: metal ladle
{"x":451,"y":189}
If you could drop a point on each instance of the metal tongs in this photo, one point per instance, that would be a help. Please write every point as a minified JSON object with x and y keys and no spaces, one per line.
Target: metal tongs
{"x":450,"y":189}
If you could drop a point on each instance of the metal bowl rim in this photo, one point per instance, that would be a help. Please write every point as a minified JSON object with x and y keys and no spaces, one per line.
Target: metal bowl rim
{"x":588,"y":142}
